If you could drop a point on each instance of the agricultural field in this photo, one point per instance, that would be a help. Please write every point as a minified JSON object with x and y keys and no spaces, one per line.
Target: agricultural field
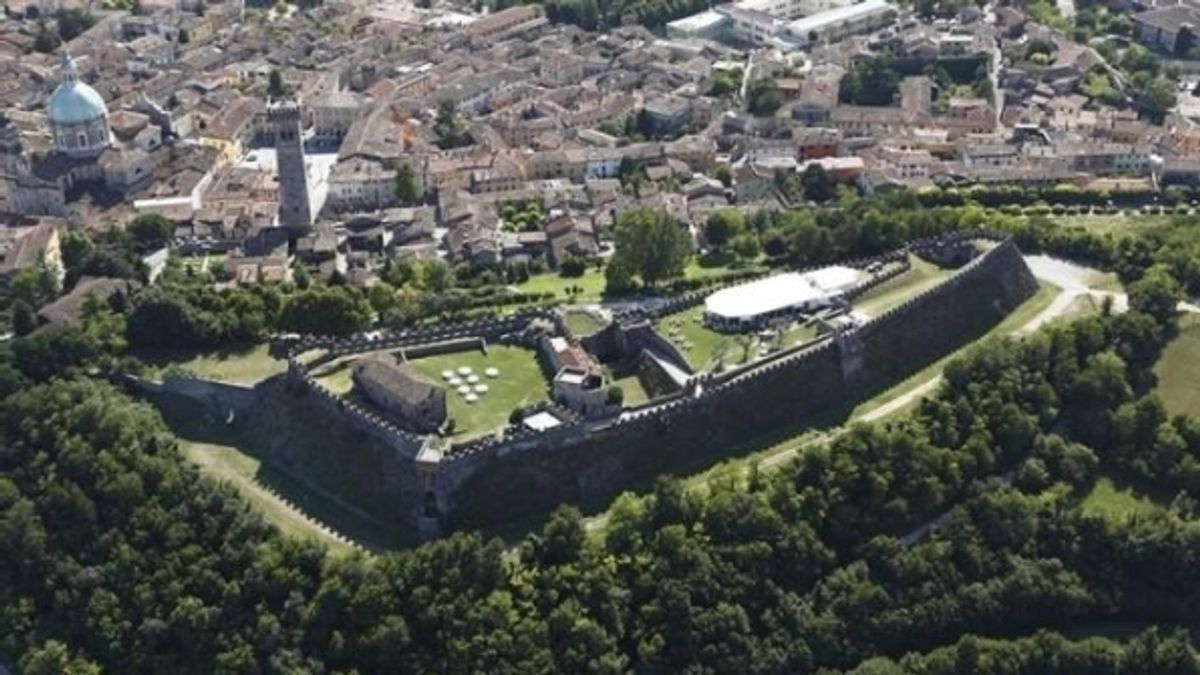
{"x":520,"y":383}
{"x":246,"y":366}
{"x":1178,"y":369}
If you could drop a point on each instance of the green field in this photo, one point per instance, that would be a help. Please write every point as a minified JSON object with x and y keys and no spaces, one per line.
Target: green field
{"x":1116,"y":223}
{"x":635,"y":393}
{"x":584,"y":323}
{"x":592,"y":283}
{"x":920,"y":277}
{"x":247,"y":366}
{"x":1080,"y":307}
{"x":520,"y":383}
{"x":1112,"y":502}
{"x":1178,"y":369}
{"x":696,"y":342}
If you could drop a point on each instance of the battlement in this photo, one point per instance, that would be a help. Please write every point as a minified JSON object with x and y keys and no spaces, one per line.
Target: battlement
{"x":283,"y":111}
{"x":519,"y":468}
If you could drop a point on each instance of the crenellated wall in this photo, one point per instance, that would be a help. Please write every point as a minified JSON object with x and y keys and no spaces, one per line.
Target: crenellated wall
{"x":721,"y":413}
{"x":416,"y":480}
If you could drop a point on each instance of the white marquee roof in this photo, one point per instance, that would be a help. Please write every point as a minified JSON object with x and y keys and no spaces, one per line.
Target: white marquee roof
{"x":780,"y":291}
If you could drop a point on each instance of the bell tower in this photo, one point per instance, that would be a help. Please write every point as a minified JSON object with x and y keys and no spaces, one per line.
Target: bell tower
{"x":283,"y":120}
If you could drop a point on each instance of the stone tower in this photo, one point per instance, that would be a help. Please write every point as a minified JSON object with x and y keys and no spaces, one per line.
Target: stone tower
{"x":283,"y":120}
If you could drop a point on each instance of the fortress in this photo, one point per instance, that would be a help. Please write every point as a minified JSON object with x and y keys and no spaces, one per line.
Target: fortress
{"x":431,"y":483}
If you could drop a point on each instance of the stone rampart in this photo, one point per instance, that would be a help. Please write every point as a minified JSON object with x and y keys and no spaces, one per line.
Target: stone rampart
{"x":719,"y":414}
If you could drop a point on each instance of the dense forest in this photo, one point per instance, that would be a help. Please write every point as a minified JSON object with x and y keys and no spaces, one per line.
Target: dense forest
{"x":117,"y":556}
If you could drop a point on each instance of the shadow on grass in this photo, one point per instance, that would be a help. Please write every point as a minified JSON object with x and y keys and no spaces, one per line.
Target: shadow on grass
{"x":162,"y":358}
{"x":181,"y":416}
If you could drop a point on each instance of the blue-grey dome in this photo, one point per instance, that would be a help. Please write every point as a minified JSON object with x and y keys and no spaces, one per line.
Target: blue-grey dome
{"x":74,"y":102}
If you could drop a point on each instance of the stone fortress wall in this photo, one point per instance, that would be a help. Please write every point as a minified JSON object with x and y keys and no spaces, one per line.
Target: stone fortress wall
{"x":427,"y":483}
{"x":720,"y":413}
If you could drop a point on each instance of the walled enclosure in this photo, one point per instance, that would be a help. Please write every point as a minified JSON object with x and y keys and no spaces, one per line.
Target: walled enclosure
{"x":420,"y":483}
{"x":734,"y":407}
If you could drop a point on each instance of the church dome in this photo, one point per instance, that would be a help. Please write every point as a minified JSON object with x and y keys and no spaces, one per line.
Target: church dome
{"x":74,"y":102}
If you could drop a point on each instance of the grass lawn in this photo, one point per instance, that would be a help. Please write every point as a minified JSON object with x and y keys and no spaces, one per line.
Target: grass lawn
{"x":592,"y":283}
{"x":635,"y":394}
{"x":228,"y":464}
{"x":335,"y":375}
{"x":699,"y":345}
{"x":1116,"y":223}
{"x":1117,"y":502}
{"x":697,"y":269}
{"x":920,"y":277}
{"x":520,"y":383}
{"x":584,"y":323}
{"x":247,"y":366}
{"x":1178,"y":369}
{"x":1080,"y":307}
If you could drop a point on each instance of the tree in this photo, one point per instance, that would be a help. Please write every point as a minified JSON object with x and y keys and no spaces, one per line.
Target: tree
{"x":325,"y":310}
{"x":1157,"y":294}
{"x":72,"y":22}
{"x":53,"y":658}
{"x":436,"y":276}
{"x":725,"y":83}
{"x":275,"y":87}
{"x":24,"y":321}
{"x":652,"y":245}
{"x":818,"y":184}
{"x":618,"y":277}
{"x":407,"y":192}
{"x":150,"y":231}
{"x":724,"y":174}
{"x":874,"y":81}
{"x":722,"y":226}
{"x":745,"y":246}
{"x":572,"y":267}
{"x":615,"y":395}
{"x":44,"y":41}
{"x":448,"y":126}
{"x":763,"y":97}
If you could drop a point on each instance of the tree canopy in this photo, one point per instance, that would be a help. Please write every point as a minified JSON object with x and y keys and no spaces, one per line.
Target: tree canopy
{"x":651,"y":245}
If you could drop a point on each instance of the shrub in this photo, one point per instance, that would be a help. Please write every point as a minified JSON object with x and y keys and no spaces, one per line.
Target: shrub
{"x":615,"y":395}
{"x":572,"y":267}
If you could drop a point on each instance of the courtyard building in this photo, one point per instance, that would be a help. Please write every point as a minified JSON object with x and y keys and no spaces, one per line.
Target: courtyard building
{"x":417,"y":403}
